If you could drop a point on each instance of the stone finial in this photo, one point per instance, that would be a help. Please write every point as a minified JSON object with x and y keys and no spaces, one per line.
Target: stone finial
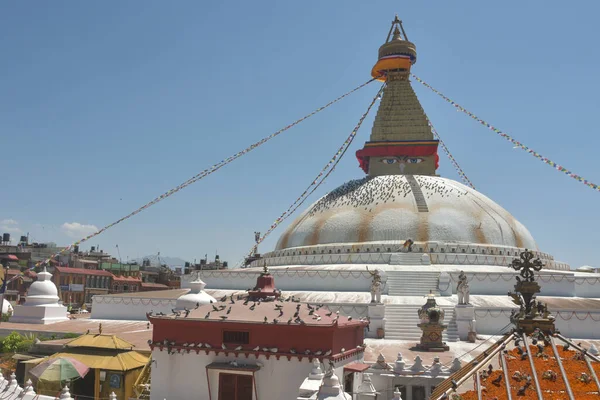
{"x":397,"y":394}
{"x":418,"y":365}
{"x":13,"y":380}
{"x":65,"y":394}
{"x":366,"y":390}
{"x":456,"y":365}
{"x":330,"y":387}
{"x":400,"y":363}
{"x":29,"y":387}
{"x":112,"y":396}
{"x":316,"y":373}
{"x":593,"y":350}
{"x":436,"y":367}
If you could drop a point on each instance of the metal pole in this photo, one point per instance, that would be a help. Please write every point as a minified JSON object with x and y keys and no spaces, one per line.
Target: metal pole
{"x":506,"y":377}
{"x":562,"y":369}
{"x":538,"y":390}
{"x":478,"y":385}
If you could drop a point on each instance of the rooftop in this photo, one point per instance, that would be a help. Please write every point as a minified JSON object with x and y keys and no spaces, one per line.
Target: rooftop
{"x":135,"y":332}
{"x":82,"y":271}
{"x":234,"y":309}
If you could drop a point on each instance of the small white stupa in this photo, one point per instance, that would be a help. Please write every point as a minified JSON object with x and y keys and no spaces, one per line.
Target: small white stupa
{"x":41,"y":304}
{"x":196,"y":296}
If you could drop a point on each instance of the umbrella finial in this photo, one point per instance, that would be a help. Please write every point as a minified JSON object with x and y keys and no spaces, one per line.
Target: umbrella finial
{"x":112,"y":396}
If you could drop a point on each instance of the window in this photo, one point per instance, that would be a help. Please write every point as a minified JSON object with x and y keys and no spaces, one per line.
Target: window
{"x":125,"y":288}
{"x":236,"y":337}
{"x":235,"y":387}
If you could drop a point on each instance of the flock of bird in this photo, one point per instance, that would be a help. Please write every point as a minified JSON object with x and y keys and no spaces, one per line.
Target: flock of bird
{"x":172,"y":347}
{"x":369,"y":192}
{"x":303,"y":312}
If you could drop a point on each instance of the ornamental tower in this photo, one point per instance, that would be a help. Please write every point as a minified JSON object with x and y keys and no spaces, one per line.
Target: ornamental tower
{"x":401,"y":141}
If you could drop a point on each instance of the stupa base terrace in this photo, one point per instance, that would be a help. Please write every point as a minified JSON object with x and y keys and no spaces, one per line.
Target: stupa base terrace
{"x":570,"y":296}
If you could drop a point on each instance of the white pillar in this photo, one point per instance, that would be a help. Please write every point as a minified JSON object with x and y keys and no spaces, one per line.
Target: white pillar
{"x":376,"y":313}
{"x":465,"y":320}
{"x":445,"y":284}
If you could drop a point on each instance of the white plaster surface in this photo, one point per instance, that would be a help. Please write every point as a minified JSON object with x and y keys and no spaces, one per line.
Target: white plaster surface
{"x":456,"y":213}
{"x":175,"y":376}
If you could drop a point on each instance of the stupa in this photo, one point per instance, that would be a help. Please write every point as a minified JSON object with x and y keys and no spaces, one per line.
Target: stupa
{"x":41,"y":304}
{"x":423,"y":234}
{"x":195,"y":297}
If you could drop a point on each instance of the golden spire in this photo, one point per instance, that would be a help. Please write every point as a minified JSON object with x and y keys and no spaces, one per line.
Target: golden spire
{"x":401,"y":140}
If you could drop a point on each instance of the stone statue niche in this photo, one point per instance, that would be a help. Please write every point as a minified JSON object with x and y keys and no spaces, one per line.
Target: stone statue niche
{"x":462,"y":289}
{"x":376,"y":286}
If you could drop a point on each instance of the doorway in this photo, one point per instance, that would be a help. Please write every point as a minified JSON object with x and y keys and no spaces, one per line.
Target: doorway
{"x":235,"y":387}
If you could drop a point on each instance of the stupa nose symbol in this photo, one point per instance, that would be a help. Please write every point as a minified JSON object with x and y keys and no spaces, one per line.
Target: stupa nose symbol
{"x":401,"y":165}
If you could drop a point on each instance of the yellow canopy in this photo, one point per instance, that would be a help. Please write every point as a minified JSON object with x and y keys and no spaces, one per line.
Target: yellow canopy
{"x":100,"y":342}
{"x":123,"y":361}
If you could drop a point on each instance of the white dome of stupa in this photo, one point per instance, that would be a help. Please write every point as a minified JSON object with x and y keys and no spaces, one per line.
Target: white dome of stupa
{"x":43,"y":291}
{"x":195,"y":296}
{"x":400,"y":207}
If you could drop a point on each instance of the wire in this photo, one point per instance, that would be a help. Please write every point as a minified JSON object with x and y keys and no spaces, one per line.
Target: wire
{"x":203,"y":173}
{"x":502,"y":134}
{"x":321,"y":176}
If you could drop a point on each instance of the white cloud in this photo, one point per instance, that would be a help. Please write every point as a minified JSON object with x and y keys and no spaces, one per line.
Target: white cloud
{"x":10,"y":225}
{"x":77,"y":230}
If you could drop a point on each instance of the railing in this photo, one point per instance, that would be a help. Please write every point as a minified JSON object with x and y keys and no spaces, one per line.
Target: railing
{"x":139,"y":387}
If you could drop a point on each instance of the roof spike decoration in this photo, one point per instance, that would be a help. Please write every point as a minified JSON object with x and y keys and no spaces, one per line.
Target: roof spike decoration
{"x":532,"y":314}
{"x":418,"y":365}
{"x":456,"y":365}
{"x":401,"y":142}
{"x":397,"y":394}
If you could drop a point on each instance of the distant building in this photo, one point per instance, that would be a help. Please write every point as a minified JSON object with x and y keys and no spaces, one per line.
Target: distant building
{"x":205,"y":265}
{"x":77,"y":285}
{"x":125,"y":284}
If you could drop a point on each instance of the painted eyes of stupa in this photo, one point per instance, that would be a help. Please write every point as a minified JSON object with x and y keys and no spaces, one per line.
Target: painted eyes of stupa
{"x":395,"y":160}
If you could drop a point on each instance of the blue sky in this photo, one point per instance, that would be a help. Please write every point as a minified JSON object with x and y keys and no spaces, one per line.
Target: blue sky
{"x":105,"y":105}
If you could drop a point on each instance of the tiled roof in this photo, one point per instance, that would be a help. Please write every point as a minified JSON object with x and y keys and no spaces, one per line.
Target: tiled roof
{"x":99,"y":341}
{"x":82,"y":271}
{"x":574,"y":370}
{"x":271,"y":312}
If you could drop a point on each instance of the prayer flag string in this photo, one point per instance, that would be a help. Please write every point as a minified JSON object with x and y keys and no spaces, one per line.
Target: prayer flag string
{"x":202,"y":174}
{"x":509,"y":138}
{"x":321,"y":176}
{"x":459,"y":170}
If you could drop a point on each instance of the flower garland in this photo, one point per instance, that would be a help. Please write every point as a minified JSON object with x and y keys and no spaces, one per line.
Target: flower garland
{"x":510,"y":139}
{"x":202,"y":174}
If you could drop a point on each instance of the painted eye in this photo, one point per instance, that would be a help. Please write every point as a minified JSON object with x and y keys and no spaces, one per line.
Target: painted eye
{"x":414,"y":160}
{"x":389,"y":161}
